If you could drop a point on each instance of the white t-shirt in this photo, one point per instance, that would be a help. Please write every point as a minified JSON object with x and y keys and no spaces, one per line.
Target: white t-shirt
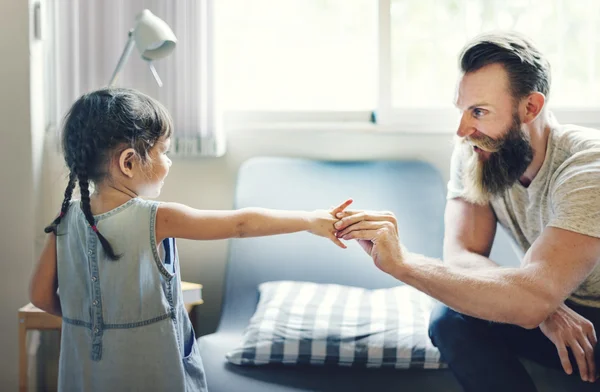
{"x":564,"y":194}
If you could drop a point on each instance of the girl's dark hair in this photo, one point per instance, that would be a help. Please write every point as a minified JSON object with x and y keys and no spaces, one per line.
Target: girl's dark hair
{"x":100,"y":125}
{"x":528,"y":70}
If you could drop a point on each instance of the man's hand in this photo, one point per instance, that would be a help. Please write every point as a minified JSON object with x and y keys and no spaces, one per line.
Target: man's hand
{"x":377,"y":233}
{"x":565,"y":328}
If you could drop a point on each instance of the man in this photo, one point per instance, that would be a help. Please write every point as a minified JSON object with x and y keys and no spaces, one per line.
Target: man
{"x":512,"y":163}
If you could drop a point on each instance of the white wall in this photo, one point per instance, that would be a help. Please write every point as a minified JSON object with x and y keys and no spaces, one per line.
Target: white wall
{"x":22,"y":140}
{"x":209,"y":183}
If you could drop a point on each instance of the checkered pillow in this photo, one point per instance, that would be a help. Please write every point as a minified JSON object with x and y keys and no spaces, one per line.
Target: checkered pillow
{"x":327,"y":324}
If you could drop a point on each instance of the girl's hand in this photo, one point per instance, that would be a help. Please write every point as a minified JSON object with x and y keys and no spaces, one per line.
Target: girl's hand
{"x":322,"y":223}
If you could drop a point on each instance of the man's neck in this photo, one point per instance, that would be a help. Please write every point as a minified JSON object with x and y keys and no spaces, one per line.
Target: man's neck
{"x":539,"y":132}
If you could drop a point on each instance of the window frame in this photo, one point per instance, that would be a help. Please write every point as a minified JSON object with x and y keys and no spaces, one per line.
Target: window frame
{"x":384,"y":117}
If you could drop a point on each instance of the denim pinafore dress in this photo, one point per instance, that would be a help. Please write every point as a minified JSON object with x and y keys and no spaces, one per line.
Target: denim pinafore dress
{"x":125,"y":327}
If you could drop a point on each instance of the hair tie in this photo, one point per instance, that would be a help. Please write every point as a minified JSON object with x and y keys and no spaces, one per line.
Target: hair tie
{"x":61,"y":214}
{"x":95,"y":229}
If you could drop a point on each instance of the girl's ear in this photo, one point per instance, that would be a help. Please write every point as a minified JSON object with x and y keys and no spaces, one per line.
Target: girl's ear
{"x":127,"y":161}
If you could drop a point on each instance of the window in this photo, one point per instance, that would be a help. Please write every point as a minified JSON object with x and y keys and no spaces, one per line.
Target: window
{"x":427,"y":36}
{"x":287,"y":55}
{"x":397,"y":59}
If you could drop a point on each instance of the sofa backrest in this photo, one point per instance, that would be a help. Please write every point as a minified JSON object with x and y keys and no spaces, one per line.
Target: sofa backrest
{"x":414,"y":191}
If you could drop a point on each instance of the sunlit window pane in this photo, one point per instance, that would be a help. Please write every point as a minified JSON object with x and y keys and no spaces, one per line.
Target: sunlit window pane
{"x":296,"y":54}
{"x":427,"y":36}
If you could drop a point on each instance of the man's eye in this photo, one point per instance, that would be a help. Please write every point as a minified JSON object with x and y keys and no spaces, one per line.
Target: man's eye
{"x":478,"y":112}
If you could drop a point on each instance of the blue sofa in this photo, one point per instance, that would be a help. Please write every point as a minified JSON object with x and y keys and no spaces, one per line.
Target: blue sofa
{"x":414,"y":191}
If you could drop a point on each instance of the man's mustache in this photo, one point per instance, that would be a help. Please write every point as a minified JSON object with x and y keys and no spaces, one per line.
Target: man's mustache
{"x":485,"y":143}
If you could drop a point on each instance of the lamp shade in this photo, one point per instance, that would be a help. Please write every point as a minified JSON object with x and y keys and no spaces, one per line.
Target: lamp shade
{"x":153,"y":37}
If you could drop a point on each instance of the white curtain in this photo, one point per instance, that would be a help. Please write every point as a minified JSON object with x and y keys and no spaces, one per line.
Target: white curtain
{"x":86,"y":38}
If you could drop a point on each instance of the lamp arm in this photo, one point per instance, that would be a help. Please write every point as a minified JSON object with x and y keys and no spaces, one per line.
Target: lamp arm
{"x":124,"y":56}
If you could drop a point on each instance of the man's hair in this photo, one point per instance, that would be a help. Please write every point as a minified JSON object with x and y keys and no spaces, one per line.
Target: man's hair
{"x":528,"y":70}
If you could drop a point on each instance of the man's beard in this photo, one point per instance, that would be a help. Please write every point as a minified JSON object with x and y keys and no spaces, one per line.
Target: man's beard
{"x":484,"y":179}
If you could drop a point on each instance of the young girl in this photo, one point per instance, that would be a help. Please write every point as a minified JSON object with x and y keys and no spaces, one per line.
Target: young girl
{"x":112,"y":254}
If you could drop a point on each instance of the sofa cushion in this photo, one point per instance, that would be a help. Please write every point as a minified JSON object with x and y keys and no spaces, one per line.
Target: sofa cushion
{"x":328,"y":324}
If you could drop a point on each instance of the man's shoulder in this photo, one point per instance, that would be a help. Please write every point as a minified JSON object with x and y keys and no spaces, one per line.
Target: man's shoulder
{"x":576,"y":163}
{"x":572,"y":139}
{"x":573,"y":149}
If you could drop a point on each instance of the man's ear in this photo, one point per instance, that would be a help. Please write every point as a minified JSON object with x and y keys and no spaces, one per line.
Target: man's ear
{"x":127,"y":162}
{"x":532,"y":106}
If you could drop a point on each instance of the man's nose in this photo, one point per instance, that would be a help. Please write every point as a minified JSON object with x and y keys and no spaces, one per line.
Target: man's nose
{"x":464,"y":128}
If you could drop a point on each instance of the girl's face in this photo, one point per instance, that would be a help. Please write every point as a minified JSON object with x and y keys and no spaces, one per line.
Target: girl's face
{"x":153,"y":178}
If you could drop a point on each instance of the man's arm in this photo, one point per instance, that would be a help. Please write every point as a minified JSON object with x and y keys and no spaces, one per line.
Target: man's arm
{"x":555,"y":265}
{"x":469,"y":234}
{"x":470,"y":231}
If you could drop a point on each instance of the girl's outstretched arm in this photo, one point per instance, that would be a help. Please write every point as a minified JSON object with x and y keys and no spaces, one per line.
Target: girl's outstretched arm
{"x":180,"y":221}
{"x":44,"y":282}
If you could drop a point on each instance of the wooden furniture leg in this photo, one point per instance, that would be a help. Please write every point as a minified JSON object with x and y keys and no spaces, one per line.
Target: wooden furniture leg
{"x":22,"y":356}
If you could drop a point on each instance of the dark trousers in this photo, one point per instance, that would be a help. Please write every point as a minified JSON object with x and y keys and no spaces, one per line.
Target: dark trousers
{"x":484,"y":356}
